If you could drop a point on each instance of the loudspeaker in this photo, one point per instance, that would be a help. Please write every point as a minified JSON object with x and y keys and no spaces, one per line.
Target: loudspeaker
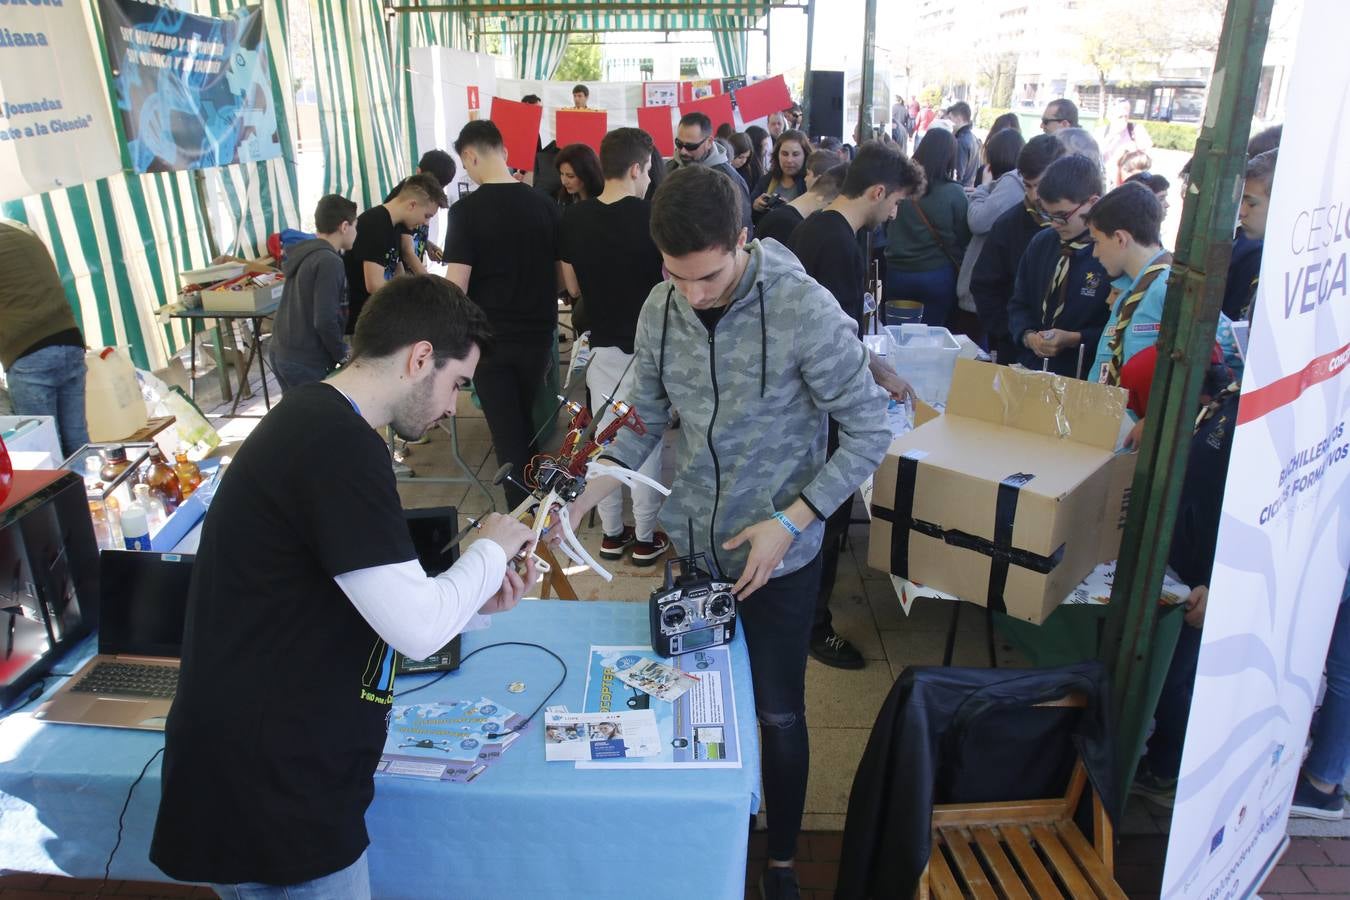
{"x":826,"y":105}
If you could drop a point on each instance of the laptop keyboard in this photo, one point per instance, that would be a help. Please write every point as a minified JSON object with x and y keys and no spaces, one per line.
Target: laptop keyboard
{"x":130,"y":680}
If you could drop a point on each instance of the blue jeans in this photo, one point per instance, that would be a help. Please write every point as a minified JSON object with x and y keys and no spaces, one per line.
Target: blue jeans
{"x":935,"y":289}
{"x":291,"y":373}
{"x":50,"y":382}
{"x":351,"y":883}
{"x":1329,"y":759}
{"x":776,"y":621}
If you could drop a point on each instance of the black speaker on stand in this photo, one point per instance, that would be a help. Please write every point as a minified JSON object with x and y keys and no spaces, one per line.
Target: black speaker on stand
{"x":826,"y":105}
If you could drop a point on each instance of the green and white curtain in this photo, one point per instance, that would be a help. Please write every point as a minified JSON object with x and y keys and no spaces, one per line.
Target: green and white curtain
{"x":119,"y":243}
{"x":422,"y":29}
{"x":731,"y":40}
{"x":364,"y":143}
{"x":540,"y":46}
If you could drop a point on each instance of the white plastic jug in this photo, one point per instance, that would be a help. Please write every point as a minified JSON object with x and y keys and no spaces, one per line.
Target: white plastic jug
{"x":112,"y":396}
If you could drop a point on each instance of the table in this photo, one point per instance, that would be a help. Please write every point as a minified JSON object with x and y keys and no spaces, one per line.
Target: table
{"x":525,"y":828}
{"x":254,"y":318}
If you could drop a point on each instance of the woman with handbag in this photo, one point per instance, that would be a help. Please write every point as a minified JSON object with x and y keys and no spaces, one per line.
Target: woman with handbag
{"x":928,"y":236}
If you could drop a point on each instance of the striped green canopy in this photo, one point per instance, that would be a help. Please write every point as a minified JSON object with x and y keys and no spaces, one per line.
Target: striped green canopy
{"x":618,"y":15}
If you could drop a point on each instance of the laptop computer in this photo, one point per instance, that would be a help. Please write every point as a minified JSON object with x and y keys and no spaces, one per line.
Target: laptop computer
{"x":132,"y":681}
{"x":431,"y":528}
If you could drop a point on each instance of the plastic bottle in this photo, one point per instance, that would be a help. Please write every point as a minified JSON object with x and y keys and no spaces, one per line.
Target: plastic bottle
{"x":98,"y":514}
{"x":135,"y":528}
{"x":154,"y":507}
{"x":92,"y":471}
{"x":189,"y":476}
{"x":113,"y":510}
{"x":164,"y":481}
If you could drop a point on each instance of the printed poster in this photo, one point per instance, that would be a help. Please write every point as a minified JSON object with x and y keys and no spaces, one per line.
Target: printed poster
{"x":193,"y":91}
{"x":55,"y":127}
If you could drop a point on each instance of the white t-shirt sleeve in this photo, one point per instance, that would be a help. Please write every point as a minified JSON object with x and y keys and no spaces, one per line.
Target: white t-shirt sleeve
{"x":418,"y":615}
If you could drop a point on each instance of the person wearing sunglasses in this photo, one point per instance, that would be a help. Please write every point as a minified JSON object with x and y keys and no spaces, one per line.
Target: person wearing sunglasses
{"x":1059,"y":301}
{"x":1058,"y":115}
{"x":694,"y":146}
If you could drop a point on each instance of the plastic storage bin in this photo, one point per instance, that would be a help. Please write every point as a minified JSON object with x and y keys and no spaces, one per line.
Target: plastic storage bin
{"x":925,"y":355}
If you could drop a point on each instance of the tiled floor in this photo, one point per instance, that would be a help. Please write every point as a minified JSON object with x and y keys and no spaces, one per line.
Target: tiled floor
{"x":842,"y":705}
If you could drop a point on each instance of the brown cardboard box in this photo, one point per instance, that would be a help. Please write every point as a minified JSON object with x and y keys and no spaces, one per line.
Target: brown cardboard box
{"x":1014,"y":495}
{"x":260,"y":298}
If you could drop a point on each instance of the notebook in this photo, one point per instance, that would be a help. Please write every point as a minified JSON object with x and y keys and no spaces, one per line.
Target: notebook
{"x":132,"y":681}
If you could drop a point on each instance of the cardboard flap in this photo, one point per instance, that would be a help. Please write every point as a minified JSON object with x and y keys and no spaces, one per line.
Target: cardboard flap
{"x":1038,"y":402}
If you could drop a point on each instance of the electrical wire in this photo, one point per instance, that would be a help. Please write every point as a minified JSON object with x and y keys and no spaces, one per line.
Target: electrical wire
{"x":36,"y":692}
{"x":121,"y":823}
{"x":469,"y":656}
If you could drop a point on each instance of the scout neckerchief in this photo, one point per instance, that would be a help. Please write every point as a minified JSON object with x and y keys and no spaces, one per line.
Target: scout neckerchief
{"x":1215,"y":404}
{"x":1060,"y":281}
{"x":1251,"y":297}
{"x":1127,"y":308}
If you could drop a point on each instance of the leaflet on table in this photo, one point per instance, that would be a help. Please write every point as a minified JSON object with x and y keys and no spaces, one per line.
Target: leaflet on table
{"x":698,"y":730}
{"x":664,"y":682}
{"x":600,"y":736}
{"x":447,"y":740}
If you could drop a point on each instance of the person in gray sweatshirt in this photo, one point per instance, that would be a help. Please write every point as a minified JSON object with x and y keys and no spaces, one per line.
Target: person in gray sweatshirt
{"x":753,"y":355}
{"x":307,"y":339}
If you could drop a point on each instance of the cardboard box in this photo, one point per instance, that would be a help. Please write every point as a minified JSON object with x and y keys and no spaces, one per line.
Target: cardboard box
{"x":259,"y":299}
{"x":1012,"y":497}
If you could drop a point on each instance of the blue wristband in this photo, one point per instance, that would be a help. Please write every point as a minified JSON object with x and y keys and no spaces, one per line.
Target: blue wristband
{"x":787,"y":523}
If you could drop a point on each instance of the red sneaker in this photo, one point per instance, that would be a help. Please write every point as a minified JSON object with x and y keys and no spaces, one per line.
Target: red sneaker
{"x":612,"y":547}
{"x":647,"y":552}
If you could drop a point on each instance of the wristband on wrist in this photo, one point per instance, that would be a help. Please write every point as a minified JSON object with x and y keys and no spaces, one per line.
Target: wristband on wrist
{"x":787,"y":524}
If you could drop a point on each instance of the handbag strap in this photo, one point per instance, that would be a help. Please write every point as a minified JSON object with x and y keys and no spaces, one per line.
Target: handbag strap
{"x":937,"y":236}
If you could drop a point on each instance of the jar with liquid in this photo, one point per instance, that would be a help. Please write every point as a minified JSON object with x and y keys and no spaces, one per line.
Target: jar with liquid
{"x":115,"y":462}
{"x":155,"y":511}
{"x":164,"y":482}
{"x":189,"y":476}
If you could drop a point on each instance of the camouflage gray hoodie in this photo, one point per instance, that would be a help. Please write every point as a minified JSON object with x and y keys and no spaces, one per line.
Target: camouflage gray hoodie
{"x":752,"y":396}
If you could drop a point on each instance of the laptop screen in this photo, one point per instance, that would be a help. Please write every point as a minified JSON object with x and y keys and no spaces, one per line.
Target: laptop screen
{"x":144,"y":601}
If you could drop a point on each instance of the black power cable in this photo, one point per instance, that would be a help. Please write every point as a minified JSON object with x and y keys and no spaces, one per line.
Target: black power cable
{"x":121,"y":822}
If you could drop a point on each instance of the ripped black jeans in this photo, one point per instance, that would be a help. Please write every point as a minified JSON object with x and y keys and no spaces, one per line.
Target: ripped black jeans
{"x":776,"y":620}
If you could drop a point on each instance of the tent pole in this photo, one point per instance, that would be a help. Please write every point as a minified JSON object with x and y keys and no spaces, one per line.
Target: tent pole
{"x":806,"y":79}
{"x":868,"y":72}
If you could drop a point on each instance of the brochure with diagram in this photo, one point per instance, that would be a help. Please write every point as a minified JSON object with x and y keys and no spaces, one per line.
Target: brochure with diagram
{"x":450,"y":741}
{"x":578,"y":737}
{"x":697,"y":730}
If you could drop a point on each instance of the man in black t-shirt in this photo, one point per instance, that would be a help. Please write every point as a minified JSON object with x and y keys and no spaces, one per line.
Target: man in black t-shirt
{"x":610,"y":261}
{"x":287,"y":671}
{"x":414,"y":243}
{"x":827,"y":246}
{"x":376,"y":255}
{"x":779,"y":222}
{"x":501,"y":248}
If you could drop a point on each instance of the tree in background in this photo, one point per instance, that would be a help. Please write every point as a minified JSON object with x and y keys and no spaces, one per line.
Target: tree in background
{"x":1121,"y":44}
{"x":581,"y":60}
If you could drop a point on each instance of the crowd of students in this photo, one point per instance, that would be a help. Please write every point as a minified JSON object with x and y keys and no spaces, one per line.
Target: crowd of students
{"x":725,"y":290}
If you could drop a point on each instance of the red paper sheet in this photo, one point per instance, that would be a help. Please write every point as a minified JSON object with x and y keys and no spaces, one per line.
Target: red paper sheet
{"x":581,"y":126}
{"x":657,"y":121}
{"x":718,"y":109}
{"x":519,"y":125}
{"x":762,"y":98}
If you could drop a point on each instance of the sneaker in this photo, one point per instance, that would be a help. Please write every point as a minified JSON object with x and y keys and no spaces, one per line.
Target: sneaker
{"x":779,"y":883}
{"x":1155,"y":788}
{"x":1311,"y":803}
{"x":647,"y":552}
{"x":612,"y":546}
{"x":833,"y":649}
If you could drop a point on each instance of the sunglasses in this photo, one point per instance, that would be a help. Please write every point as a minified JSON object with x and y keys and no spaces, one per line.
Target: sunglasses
{"x":683,"y":145}
{"x":1062,"y":218}
{"x":1045,"y":121}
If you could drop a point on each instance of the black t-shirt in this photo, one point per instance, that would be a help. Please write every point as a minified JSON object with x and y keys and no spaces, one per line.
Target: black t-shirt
{"x":617,"y":264}
{"x":508,"y":233}
{"x":828,"y":250}
{"x":280,"y":718}
{"x":420,"y":234}
{"x":779,"y":223}
{"x":377,"y":241}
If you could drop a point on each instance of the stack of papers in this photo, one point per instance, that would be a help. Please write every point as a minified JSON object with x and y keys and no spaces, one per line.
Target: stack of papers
{"x":582,"y":737}
{"x":451,"y":741}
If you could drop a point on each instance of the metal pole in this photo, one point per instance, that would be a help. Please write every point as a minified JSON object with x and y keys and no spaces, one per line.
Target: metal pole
{"x":768,"y":39}
{"x":806,"y":79}
{"x":868,"y":71}
{"x":1194,"y":295}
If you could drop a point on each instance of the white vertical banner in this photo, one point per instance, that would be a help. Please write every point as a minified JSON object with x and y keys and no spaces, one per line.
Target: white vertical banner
{"x":1284,"y":539}
{"x":55,"y":127}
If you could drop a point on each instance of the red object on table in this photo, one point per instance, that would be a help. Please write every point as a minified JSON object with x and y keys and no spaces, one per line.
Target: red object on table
{"x":718,"y":109}
{"x":27,"y":482}
{"x":581,"y":126}
{"x":519,"y":125}
{"x":762,"y":98}
{"x":656,"y":121}
{"x":6,"y":472}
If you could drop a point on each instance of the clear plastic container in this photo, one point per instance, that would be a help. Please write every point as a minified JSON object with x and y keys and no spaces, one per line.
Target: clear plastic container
{"x":925,"y":355}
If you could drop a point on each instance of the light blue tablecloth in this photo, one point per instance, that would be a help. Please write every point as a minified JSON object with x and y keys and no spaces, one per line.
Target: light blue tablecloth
{"x":525,"y":828}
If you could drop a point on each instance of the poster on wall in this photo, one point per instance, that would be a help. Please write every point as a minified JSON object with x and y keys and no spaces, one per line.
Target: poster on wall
{"x":660,"y":93}
{"x":450,"y":88}
{"x":699,"y":90}
{"x":55,"y":128}
{"x":193,"y":91}
{"x":1284,"y":539}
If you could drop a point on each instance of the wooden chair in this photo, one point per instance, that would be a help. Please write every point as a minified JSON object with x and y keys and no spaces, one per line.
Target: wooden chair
{"x":1022,"y":849}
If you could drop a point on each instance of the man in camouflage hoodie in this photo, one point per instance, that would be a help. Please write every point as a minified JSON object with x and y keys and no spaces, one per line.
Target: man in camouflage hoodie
{"x":753,"y":355}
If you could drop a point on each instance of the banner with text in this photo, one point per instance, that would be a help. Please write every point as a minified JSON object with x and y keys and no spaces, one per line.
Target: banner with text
{"x":55,"y":128}
{"x":1284,"y":538}
{"x":193,"y":91}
